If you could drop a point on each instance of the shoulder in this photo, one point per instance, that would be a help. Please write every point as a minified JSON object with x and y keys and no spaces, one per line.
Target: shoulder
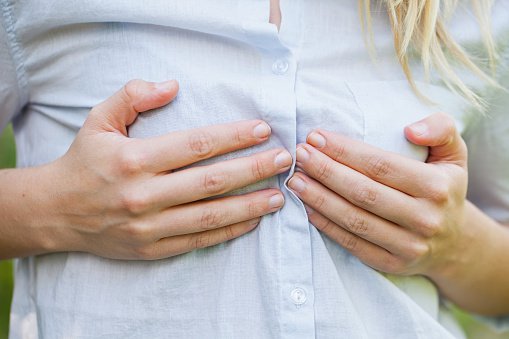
{"x":11,"y":93}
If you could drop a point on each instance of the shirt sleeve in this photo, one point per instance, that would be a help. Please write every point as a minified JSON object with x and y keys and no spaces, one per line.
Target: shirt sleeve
{"x":488,"y":150}
{"x":488,"y":145}
{"x":13,"y":94}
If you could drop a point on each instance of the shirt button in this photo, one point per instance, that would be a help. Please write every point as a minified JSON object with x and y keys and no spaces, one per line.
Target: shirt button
{"x":280,"y":66}
{"x":298,"y":296}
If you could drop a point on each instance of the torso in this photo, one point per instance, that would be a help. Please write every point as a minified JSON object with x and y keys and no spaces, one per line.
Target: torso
{"x":232,"y":63}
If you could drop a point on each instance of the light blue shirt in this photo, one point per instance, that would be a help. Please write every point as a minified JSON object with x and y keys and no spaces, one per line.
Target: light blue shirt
{"x":284,"y":279}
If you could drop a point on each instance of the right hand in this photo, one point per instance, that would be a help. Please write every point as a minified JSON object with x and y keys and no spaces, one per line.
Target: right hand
{"x":119,"y":197}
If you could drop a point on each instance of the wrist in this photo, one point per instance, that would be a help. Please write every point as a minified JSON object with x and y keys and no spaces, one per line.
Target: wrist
{"x":474,"y":278}
{"x":455,"y":261}
{"x":49,"y":201}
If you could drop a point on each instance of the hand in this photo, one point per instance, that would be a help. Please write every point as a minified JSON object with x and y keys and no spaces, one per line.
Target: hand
{"x":396,"y":214}
{"x":120,"y":197}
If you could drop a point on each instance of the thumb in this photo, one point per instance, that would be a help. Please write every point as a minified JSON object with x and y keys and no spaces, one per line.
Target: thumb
{"x":121,"y":109}
{"x":439,"y":133}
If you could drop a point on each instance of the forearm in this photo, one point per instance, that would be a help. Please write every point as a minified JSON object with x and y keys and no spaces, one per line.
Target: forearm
{"x":25,"y":207}
{"x":477,"y":277}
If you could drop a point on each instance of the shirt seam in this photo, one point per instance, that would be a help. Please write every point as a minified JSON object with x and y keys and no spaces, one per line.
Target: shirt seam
{"x":15,"y":52}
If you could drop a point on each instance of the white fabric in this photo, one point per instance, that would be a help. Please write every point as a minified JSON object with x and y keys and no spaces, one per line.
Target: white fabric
{"x":59,"y":58}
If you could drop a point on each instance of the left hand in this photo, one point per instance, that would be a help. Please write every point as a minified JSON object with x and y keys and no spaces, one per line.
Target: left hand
{"x":396,"y":214}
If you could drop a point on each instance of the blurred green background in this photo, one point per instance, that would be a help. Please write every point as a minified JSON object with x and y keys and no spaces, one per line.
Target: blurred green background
{"x":8,"y":159}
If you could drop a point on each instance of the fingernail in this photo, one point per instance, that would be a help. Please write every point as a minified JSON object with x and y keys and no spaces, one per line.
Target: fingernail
{"x":316,"y":140}
{"x":419,"y":128}
{"x":255,"y":222}
{"x":165,"y":85}
{"x":283,"y":160}
{"x":262,"y":130}
{"x":302,"y":154}
{"x":309,"y":210}
{"x":297,"y":184}
{"x":276,"y":201}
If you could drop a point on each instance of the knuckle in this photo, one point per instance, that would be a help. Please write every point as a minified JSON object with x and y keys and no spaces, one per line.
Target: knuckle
{"x":394,"y":265}
{"x":200,"y":240}
{"x":430,"y":226}
{"x":144,"y":253}
{"x":447,"y":122}
{"x":229,"y":233}
{"x":364,"y":195}
{"x":324,"y":171}
{"x":448,"y":127}
{"x":201,"y":144}
{"x":418,"y":250}
{"x":439,"y":189}
{"x":440,"y":194}
{"x":95,"y":111}
{"x":136,"y":231}
{"x":338,"y":152}
{"x":357,"y":224}
{"x":132,"y":88}
{"x":211,"y":218}
{"x":215,"y":183}
{"x":350,"y":242}
{"x":129,"y":162}
{"x":130,"y":92}
{"x":134,"y":203}
{"x":254,"y":209}
{"x":319,"y":202}
{"x":237,"y":137}
{"x":257,"y":169}
{"x":378,"y":167}
{"x":325,"y":226}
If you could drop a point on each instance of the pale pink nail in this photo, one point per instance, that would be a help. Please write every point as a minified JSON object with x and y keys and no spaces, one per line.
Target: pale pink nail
{"x":419,"y":128}
{"x":297,"y":184}
{"x":283,"y":160}
{"x":166,"y":86}
{"x":262,"y":130}
{"x":317,"y":140}
{"x":276,"y":201}
{"x":302,"y":155}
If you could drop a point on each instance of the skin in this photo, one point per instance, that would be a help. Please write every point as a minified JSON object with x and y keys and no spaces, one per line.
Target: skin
{"x":405,"y":217}
{"x":275,"y":13}
{"x":395,"y":214}
{"x":120,"y":200}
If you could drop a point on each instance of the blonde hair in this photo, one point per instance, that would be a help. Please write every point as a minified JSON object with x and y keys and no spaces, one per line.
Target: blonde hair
{"x":419,"y":26}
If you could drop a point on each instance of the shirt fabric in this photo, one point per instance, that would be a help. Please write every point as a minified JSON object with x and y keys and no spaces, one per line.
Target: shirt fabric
{"x":284,"y":279}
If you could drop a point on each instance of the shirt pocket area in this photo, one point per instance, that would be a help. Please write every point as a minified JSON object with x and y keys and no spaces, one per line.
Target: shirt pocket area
{"x":389,"y":106}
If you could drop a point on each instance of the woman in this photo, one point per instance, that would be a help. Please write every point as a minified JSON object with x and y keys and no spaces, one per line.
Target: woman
{"x":112,"y":197}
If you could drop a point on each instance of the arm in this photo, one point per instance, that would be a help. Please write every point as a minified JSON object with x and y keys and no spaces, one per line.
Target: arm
{"x":477,"y":277}
{"x":405,"y":217}
{"x":123,"y":198}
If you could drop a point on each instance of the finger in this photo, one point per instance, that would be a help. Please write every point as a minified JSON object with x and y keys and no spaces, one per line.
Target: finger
{"x":120,"y":110}
{"x":391,"y":169}
{"x":172,"y":246}
{"x":206,"y":215}
{"x":201,"y":182}
{"x":355,"y":220}
{"x":439,"y":132}
{"x":369,"y":253}
{"x":357,"y":188}
{"x":178,"y":149}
